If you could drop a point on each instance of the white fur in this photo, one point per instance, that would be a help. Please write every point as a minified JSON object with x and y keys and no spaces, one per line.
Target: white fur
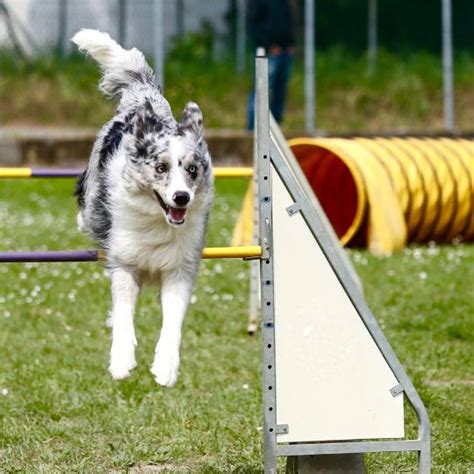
{"x":112,"y":58}
{"x":101,"y":47}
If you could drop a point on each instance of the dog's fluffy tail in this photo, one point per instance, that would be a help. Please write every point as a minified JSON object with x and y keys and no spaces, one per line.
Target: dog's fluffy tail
{"x":120,"y":67}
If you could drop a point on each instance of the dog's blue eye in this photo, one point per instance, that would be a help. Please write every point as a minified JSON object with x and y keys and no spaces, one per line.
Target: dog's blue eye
{"x":192,"y":169}
{"x":160,"y":169}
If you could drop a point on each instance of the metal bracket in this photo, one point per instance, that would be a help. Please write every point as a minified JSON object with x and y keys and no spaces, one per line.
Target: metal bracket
{"x":397,"y":390}
{"x":293,"y":209}
{"x":281,"y":429}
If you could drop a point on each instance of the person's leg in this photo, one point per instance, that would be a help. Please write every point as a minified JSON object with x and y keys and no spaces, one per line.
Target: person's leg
{"x":280,"y":87}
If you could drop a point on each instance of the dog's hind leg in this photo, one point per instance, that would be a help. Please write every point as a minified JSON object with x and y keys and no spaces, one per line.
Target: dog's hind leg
{"x":175,"y":296}
{"x":125,"y":291}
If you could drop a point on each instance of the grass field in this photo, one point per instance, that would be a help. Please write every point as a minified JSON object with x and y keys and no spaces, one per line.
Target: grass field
{"x":61,"y":412}
{"x":405,"y":94}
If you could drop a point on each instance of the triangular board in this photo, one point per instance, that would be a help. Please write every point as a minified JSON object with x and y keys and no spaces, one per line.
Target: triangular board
{"x":332,"y":381}
{"x":281,"y":147}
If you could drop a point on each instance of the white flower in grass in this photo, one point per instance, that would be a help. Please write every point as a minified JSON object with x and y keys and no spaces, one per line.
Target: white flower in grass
{"x":423,"y":275}
{"x":194,"y":299}
{"x":245,"y":386}
{"x":4,"y":392}
{"x":433,"y":251}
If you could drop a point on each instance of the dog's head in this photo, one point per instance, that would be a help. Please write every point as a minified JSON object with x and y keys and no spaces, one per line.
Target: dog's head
{"x":168,"y":161}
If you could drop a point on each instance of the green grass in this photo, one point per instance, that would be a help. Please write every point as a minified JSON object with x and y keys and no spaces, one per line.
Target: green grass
{"x":63,"y":413}
{"x":405,"y":94}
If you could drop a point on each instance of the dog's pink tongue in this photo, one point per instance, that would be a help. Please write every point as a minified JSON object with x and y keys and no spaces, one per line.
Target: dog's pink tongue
{"x":177,"y":214}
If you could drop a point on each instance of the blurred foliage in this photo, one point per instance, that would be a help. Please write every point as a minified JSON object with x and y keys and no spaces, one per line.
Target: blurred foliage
{"x":405,"y":93}
{"x":193,"y":46}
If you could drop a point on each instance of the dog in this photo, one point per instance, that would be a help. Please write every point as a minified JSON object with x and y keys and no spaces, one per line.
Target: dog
{"x":145,"y":199}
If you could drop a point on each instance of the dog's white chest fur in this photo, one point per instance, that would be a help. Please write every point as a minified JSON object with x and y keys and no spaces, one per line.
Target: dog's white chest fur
{"x":149,"y":244}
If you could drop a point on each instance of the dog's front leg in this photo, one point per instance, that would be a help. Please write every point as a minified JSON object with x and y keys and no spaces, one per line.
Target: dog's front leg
{"x":125,"y":291}
{"x":175,"y":295}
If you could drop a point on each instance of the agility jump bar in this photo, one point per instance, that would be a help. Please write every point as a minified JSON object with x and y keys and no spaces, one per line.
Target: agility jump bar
{"x":8,"y":173}
{"x":245,"y":252}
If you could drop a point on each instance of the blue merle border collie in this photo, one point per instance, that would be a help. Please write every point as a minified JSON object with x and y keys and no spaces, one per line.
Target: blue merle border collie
{"x":145,"y":198}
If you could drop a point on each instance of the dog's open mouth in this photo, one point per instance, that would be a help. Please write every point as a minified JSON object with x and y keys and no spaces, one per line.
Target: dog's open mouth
{"x":175,"y":215}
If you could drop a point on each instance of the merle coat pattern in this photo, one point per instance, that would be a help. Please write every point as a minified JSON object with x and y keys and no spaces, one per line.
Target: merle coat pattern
{"x":145,"y":198}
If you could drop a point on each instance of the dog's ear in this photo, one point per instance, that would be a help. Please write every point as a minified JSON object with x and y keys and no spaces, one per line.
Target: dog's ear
{"x":192,"y":120}
{"x":146,"y":121}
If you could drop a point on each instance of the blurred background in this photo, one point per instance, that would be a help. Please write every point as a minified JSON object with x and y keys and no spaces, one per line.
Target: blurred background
{"x":378,"y":65}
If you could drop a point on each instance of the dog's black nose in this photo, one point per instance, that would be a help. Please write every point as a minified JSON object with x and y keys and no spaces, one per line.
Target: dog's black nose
{"x":181,"y":198}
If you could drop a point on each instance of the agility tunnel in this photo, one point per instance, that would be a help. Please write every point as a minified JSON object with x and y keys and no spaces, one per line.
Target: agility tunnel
{"x":383,"y":193}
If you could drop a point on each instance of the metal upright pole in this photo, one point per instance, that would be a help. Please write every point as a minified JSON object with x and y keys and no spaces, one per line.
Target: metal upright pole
{"x":179,"y":18}
{"x":158,"y":42}
{"x":448,"y":66}
{"x":309,"y":61}
{"x":372,"y":36}
{"x":62,"y":27}
{"x":241,"y":36}
{"x":122,"y":15}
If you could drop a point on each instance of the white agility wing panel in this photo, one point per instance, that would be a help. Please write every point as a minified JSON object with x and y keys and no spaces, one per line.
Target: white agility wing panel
{"x":332,"y":382}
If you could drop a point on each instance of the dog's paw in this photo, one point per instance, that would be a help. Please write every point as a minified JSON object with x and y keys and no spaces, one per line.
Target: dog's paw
{"x":122,"y":360}
{"x":165,"y":366}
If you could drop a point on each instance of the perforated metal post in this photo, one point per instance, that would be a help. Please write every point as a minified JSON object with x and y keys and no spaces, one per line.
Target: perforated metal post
{"x":262,"y":131}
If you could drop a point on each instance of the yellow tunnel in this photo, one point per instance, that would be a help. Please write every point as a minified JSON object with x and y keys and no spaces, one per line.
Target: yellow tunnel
{"x":383,"y":193}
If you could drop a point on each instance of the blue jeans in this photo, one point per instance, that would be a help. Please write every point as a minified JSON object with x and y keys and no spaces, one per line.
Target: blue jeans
{"x":279,"y":69}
